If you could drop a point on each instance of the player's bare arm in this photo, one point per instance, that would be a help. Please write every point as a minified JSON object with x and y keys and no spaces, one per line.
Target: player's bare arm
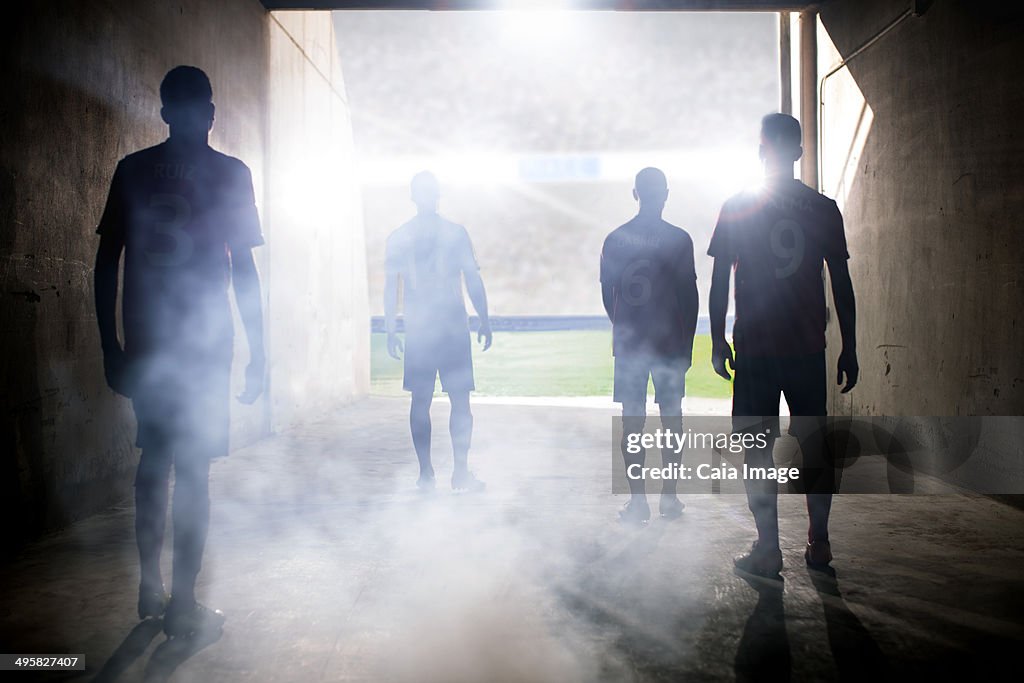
{"x":105,"y":284}
{"x":395,"y":347}
{"x":718,"y":305}
{"x":608,"y":299}
{"x":846,"y":311}
{"x":689,"y":302}
{"x":246,"y":281}
{"x":478,"y":296}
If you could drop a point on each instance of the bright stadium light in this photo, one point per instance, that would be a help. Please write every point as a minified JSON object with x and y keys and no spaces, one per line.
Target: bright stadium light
{"x":718,"y":171}
{"x":536,"y":5}
{"x":467,"y":168}
{"x":529,"y":22}
{"x":729,"y":169}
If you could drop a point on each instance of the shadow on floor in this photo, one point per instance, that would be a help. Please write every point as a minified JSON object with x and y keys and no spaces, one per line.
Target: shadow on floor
{"x":856,"y":654}
{"x":166,"y":658}
{"x":763,"y":653}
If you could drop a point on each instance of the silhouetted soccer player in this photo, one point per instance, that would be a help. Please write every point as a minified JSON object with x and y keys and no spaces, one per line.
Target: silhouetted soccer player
{"x":431,"y":256}
{"x":649,"y":289}
{"x":185,"y":217}
{"x":777,"y":239}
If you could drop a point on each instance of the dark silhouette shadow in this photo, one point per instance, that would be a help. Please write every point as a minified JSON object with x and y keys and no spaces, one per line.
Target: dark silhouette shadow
{"x":649,"y":292}
{"x":899,"y":469}
{"x":763,"y":653}
{"x":173,"y":652}
{"x":181,"y":217}
{"x":775,"y":242}
{"x":935,"y":447}
{"x":130,"y":649}
{"x":857,"y":656}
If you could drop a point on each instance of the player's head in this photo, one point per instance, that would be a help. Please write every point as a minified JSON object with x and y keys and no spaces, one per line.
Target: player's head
{"x":187,"y":99}
{"x":650,"y":187}
{"x":780,"y":140}
{"x":425,"y":191}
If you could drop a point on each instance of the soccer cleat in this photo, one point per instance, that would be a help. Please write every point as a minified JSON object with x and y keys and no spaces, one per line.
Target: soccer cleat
{"x":188,"y":620}
{"x":152,"y":603}
{"x":636,"y":512}
{"x":760,"y":564}
{"x":818,"y":554}
{"x":670,"y":507}
{"x":465,"y":480}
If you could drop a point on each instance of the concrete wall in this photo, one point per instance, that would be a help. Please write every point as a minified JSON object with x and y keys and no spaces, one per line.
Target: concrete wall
{"x":81,"y":91}
{"x":319,"y":318}
{"x":923,"y":150}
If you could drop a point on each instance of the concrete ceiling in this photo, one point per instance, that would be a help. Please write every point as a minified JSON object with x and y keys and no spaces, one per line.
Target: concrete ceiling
{"x":634,"y":5}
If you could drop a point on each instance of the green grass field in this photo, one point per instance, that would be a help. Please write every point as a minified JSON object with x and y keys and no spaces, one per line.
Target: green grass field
{"x":571,"y":363}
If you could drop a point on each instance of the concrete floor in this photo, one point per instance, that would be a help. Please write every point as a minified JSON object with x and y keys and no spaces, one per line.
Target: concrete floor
{"x":331,"y":567}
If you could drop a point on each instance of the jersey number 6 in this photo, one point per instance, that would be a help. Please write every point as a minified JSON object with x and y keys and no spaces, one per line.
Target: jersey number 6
{"x":636,"y":288}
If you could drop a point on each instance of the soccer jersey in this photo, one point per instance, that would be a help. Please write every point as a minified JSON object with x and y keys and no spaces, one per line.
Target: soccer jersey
{"x":648,"y":263}
{"x":778,"y":238}
{"x":180,"y":213}
{"x":430,"y":254}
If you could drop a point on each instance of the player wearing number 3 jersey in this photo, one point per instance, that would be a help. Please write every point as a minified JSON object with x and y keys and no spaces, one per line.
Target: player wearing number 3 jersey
{"x":777,"y":240}
{"x":649,"y":289}
{"x":184,"y":216}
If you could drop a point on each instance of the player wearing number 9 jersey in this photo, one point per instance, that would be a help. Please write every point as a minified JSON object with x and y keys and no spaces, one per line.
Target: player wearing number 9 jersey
{"x":777,"y":240}
{"x":184,"y":217}
{"x":649,"y":289}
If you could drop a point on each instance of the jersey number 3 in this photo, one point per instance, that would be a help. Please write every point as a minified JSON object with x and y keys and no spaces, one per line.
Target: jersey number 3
{"x":172,"y":230}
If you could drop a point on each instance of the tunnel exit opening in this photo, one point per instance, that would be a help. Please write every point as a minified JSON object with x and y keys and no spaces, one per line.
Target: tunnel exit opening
{"x":536,"y":122}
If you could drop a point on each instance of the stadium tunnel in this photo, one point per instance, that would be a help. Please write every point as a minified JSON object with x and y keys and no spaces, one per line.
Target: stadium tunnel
{"x":909,"y":123}
{"x":911,"y":115}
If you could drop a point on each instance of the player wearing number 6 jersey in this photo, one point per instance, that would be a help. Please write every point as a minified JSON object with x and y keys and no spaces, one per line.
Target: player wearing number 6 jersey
{"x":184,"y":215}
{"x":777,"y":239}
{"x":427,"y":259}
{"x":649,"y":289}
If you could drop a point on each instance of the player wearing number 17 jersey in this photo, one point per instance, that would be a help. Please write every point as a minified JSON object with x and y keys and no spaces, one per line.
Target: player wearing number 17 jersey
{"x":184,"y":217}
{"x":776,"y":240}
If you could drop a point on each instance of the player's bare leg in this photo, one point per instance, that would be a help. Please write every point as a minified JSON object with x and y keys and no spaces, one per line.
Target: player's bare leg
{"x":419,"y":425}
{"x":151,"y":498}
{"x":636,"y":511}
{"x":191,"y":513}
{"x":670,"y":506}
{"x":460,"y":425}
{"x":819,"y":480}
{"x":764,"y":561}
